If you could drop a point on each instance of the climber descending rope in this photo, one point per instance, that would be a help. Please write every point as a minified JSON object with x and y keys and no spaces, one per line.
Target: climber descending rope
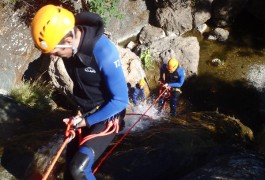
{"x":113,"y":126}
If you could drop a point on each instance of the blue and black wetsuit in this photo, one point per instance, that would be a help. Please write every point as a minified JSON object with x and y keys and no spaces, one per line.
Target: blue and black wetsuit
{"x":99,"y":82}
{"x":138,"y":95}
{"x":175,"y":80}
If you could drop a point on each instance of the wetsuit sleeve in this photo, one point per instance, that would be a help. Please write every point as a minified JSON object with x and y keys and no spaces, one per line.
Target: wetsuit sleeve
{"x":182,"y":75}
{"x":135,"y":96}
{"x":109,"y":63}
{"x":142,"y":94}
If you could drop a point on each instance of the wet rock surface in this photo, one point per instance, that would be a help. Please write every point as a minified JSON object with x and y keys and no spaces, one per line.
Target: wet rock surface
{"x":172,"y":150}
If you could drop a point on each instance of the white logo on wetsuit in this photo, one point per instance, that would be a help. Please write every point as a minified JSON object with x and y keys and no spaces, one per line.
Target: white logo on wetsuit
{"x":117,"y":63}
{"x":90,"y":70}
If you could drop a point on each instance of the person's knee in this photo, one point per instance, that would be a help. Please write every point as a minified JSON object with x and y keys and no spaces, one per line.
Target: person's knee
{"x":81,"y":164}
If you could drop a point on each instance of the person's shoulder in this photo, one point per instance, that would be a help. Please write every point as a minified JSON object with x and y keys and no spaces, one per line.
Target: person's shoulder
{"x":164,"y":66}
{"x":136,"y":89}
{"x":106,"y":52}
{"x":105,"y":46}
{"x":104,"y":41}
{"x":181,"y":70}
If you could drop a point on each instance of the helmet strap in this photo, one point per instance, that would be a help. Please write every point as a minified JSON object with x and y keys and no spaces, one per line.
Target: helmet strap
{"x":63,"y":46}
{"x":69,"y":46}
{"x":73,"y":44}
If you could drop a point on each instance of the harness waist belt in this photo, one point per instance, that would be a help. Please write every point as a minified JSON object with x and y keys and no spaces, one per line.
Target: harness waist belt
{"x":176,"y":89}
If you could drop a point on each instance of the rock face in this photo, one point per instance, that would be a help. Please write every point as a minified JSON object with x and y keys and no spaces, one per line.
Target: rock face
{"x":135,"y":17}
{"x":185,"y":49}
{"x":16,"y":50}
{"x":132,"y":66}
{"x":241,"y":165}
{"x":171,"y":150}
{"x":150,"y":33}
{"x":175,"y":16}
{"x":60,"y":78}
{"x":224,"y":12}
{"x":219,"y":34}
{"x":12,"y":116}
{"x":201,"y":12}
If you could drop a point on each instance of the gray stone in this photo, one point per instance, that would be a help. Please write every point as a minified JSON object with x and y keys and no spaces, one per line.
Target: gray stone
{"x":136,"y":16}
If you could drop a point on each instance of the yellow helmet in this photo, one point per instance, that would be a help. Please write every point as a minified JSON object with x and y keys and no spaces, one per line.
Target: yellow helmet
{"x":49,"y":25}
{"x":142,"y":82}
{"x":172,"y":64}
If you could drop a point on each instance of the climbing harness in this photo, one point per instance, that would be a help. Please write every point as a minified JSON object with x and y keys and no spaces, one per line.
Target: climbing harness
{"x":167,"y":93}
{"x":112,"y":126}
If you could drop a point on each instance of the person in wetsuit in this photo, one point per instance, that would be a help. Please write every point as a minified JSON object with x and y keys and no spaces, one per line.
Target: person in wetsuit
{"x":172,"y":76}
{"x":138,"y":94}
{"x":94,"y":65}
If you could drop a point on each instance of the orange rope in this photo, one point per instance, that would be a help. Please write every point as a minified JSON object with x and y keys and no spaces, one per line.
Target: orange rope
{"x":127,"y":132}
{"x":70,"y":135}
{"x":111,"y":124}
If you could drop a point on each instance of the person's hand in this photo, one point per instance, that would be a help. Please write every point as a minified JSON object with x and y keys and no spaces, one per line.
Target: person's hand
{"x":82,"y":123}
{"x":77,"y":121}
{"x":165,"y":85}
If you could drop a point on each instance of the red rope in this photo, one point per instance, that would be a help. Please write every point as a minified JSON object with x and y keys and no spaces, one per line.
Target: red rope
{"x":111,"y":124}
{"x":135,"y":114}
{"x":70,"y":134}
{"x":127,"y":132}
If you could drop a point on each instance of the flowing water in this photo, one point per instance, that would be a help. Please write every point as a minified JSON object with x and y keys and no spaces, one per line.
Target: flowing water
{"x":244,"y":49}
{"x":142,"y":116}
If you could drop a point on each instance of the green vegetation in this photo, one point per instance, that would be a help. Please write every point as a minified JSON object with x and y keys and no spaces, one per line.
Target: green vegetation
{"x":193,"y":3}
{"x":146,"y":59}
{"x":36,"y":95}
{"x":105,"y":8}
